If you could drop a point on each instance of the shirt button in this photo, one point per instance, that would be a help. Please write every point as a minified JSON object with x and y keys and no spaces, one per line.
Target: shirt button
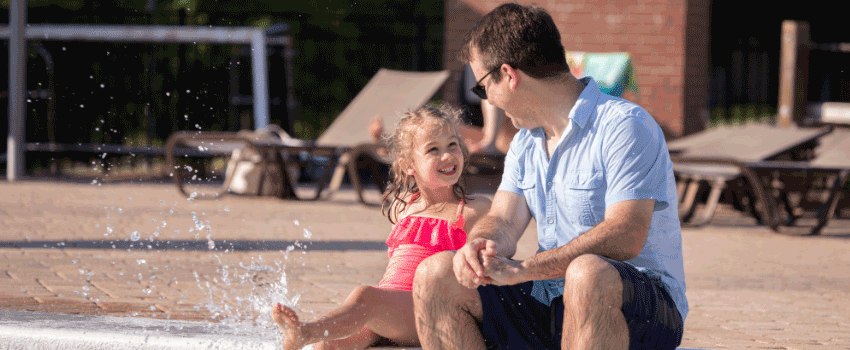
{"x":549,"y":184}
{"x":551,"y":221}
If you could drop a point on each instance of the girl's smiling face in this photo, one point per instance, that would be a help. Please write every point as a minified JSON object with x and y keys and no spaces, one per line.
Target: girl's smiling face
{"x":437,"y":159}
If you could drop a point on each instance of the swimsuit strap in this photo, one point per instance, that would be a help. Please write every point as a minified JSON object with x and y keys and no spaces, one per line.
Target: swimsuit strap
{"x":458,"y":216}
{"x":459,"y":213}
{"x":413,"y":198}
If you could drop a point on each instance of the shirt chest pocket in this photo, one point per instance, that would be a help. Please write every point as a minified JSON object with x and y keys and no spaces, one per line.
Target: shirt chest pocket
{"x":529,"y":188}
{"x":582,"y":194}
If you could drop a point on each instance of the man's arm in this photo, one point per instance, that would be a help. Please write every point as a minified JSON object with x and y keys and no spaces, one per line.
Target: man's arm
{"x":620,"y":236}
{"x":496,"y":233}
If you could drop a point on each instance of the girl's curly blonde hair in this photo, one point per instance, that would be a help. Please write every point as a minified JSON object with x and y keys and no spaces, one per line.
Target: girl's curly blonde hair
{"x":400,"y":145}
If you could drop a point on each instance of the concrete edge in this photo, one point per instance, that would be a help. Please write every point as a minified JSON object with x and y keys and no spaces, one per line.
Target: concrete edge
{"x":36,"y":331}
{"x":25,"y":330}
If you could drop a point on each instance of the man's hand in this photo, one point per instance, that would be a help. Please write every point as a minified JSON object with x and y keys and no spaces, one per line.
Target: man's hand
{"x":467,"y":265}
{"x":502,"y":271}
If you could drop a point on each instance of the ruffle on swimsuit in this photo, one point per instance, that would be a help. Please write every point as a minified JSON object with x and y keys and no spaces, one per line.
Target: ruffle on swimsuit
{"x":415,"y":238}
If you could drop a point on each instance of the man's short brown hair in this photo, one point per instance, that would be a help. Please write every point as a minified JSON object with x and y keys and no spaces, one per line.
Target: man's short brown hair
{"x":524,"y":37}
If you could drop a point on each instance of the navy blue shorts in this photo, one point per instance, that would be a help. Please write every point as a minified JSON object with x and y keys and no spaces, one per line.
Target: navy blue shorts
{"x":513,"y":319}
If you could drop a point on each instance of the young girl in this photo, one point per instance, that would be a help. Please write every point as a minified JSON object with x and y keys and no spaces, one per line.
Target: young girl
{"x":431,"y":213}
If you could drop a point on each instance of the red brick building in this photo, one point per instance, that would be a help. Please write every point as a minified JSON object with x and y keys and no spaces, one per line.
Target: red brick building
{"x":668,"y":41}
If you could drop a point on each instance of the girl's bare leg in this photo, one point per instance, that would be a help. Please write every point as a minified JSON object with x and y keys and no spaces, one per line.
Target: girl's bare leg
{"x":385,"y":312}
{"x":360,"y":340}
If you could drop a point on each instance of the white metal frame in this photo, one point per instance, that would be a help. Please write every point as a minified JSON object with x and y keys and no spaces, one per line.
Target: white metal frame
{"x":18,"y":32}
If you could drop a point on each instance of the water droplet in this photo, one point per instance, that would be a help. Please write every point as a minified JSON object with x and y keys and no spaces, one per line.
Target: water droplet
{"x":211,"y":244}
{"x":135,"y":236}
{"x":141,"y":261}
{"x":120,"y":210}
{"x":295,"y":222}
{"x":86,"y":288}
{"x":307,"y":233}
{"x":102,"y":86}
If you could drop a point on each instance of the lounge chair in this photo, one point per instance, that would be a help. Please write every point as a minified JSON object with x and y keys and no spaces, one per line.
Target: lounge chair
{"x":387,"y":94}
{"x":822,"y":178}
{"x":724,"y":155}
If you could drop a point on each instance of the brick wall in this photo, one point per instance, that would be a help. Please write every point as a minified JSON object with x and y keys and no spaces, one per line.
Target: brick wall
{"x":653,"y":31}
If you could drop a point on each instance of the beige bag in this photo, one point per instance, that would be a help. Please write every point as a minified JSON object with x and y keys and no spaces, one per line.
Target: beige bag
{"x":256,"y":172}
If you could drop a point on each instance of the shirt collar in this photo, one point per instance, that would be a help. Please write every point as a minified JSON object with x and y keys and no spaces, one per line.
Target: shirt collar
{"x":586,"y":102}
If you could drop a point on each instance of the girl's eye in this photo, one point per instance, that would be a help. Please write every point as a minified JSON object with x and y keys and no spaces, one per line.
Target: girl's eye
{"x":453,"y":144}
{"x":432,"y":149}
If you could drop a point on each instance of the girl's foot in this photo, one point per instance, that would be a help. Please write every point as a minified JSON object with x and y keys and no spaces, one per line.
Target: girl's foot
{"x":288,"y":322}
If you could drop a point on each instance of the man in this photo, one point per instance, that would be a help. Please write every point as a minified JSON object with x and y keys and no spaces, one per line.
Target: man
{"x":595,"y":173}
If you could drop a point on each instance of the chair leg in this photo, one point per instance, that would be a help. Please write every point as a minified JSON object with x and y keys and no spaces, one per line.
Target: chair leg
{"x":789,"y":209}
{"x":827,"y":208}
{"x":336,"y":176}
{"x":680,"y":188}
{"x":320,"y":185}
{"x":354,"y":176}
{"x":717,"y":186}
{"x":288,"y":183}
{"x":686,"y":211}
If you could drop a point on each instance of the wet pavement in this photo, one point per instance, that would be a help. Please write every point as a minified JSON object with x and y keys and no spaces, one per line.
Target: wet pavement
{"x":142,"y":250}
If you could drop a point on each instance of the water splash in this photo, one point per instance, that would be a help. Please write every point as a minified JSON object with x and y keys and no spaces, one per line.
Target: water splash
{"x":247,"y":309}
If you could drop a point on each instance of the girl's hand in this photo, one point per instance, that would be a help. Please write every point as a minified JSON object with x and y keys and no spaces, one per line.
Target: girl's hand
{"x":503,"y":271}
{"x":467,"y":265}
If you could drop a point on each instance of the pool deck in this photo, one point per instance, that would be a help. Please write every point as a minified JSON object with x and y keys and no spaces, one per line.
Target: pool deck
{"x":140,"y":252}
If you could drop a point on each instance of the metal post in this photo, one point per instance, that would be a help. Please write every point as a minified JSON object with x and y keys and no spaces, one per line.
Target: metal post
{"x":260,"y":78}
{"x":17,"y":89}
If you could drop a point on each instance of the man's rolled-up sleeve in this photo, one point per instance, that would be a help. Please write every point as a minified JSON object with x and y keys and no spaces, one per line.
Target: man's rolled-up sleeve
{"x":512,"y":172}
{"x":636,"y":165}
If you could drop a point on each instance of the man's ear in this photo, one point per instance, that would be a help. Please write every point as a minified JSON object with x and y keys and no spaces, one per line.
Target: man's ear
{"x":512,"y":74}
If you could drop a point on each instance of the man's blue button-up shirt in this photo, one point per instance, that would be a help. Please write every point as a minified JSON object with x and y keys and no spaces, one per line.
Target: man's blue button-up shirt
{"x":612,"y":151}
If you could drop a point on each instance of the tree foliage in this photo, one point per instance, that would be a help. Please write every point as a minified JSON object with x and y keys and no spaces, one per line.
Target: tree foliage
{"x":141,"y":93}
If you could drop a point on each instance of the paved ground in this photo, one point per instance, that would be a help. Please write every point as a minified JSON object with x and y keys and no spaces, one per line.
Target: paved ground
{"x":143,"y":250}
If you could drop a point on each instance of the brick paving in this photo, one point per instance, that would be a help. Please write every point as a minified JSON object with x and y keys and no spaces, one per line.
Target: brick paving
{"x":142,"y":250}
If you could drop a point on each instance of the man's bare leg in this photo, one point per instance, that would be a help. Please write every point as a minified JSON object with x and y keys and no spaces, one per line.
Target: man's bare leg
{"x":593,"y":298}
{"x":446,"y":312}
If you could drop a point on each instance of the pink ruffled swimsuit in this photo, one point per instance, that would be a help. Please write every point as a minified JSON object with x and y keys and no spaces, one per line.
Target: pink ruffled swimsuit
{"x":415,"y":238}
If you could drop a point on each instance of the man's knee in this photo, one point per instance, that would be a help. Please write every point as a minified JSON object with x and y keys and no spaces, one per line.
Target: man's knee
{"x":432,"y":269}
{"x":589,"y":275}
{"x":587,"y":268}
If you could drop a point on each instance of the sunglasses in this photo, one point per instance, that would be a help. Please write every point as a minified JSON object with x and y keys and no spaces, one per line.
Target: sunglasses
{"x":478,"y":89}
